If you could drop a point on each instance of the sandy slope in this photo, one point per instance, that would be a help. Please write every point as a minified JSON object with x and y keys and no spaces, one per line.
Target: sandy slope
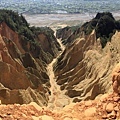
{"x":57,"y":100}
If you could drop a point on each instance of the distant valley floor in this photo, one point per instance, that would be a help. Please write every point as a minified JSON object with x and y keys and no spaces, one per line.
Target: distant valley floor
{"x":61,"y":20}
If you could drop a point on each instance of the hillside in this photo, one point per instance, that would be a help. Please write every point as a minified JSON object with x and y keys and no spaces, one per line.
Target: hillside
{"x":83,"y":70}
{"x":24,"y":53}
{"x":70,"y":77}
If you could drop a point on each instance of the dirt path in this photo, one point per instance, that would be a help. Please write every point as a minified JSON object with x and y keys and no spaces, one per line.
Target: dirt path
{"x":57,"y":99}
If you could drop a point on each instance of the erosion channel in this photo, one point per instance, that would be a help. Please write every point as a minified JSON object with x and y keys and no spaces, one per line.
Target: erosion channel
{"x":57,"y":99}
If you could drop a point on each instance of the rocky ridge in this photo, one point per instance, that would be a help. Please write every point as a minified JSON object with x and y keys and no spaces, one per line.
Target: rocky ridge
{"x":23,"y":77}
{"x":107,"y":107}
{"x":84,"y":69}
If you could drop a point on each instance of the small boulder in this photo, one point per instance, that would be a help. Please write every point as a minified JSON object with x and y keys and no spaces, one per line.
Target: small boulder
{"x":88,"y":103}
{"x":35,"y":118}
{"x":36,"y":106}
{"x":67,"y":118}
{"x":104,"y":97}
{"x":45,"y":117}
{"x":109,"y":107}
{"x":104,"y":116}
{"x":116,"y":109}
{"x":90,"y":112}
{"x":112,"y":115}
{"x":116,"y":99}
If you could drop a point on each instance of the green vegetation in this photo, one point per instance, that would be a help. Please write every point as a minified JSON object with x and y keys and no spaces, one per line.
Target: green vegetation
{"x":19,"y":24}
{"x":12,"y":19}
{"x":105,"y":26}
{"x":16,"y":23}
{"x":66,"y":32}
{"x":60,"y":6}
{"x":70,"y":29}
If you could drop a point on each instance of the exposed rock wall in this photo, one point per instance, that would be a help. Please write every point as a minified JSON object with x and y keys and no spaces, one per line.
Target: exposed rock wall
{"x":83,"y":70}
{"x":22,"y":67}
{"x":68,"y":34}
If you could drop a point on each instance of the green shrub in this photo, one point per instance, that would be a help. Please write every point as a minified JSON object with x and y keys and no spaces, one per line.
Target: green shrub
{"x":105,"y":26}
{"x":18,"y":23}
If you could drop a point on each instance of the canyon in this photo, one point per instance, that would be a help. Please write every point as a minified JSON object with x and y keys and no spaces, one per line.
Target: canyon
{"x":60,"y":74}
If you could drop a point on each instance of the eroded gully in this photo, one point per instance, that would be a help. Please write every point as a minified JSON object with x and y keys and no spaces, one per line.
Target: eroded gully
{"x":57,"y":99}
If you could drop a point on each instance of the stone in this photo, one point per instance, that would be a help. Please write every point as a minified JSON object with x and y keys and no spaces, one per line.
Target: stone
{"x":67,"y":118}
{"x":35,"y":118}
{"x":23,"y":115}
{"x":45,"y":117}
{"x":110,"y":99}
{"x":104,"y":117}
{"x":88,"y":103}
{"x":116,"y":99}
{"x":118,"y":115}
{"x":69,"y":107}
{"x":36,"y":106}
{"x":112,"y":115}
{"x":104,"y":97}
{"x":11,"y":117}
{"x":109,"y":107}
{"x":116,"y":108}
{"x":104,"y":106}
{"x":90,"y":112}
{"x":75,"y":119}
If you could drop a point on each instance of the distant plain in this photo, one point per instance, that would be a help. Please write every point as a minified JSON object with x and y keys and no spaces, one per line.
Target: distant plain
{"x":61,"y":20}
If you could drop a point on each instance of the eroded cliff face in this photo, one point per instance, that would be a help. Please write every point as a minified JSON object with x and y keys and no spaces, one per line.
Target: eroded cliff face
{"x":83,"y":71}
{"x":23,"y":75}
{"x":106,"y":107}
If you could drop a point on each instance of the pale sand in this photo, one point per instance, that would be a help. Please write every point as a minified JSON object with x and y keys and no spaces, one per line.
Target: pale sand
{"x":56,"y":20}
